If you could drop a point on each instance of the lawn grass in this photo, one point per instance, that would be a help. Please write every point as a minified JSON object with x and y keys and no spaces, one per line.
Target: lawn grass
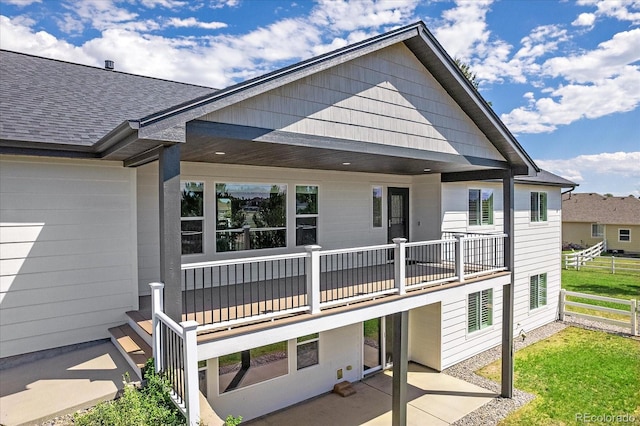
{"x":575,"y":371}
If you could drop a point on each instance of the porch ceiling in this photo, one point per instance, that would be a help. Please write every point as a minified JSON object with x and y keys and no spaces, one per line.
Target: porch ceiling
{"x":265,"y":147}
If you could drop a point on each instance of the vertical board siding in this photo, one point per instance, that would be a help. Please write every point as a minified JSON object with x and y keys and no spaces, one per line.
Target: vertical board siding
{"x":386,"y":97}
{"x":67,"y":251}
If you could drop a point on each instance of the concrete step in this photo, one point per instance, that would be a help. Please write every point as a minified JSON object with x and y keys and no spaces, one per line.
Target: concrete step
{"x":142,"y":325}
{"x":133,"y":347}
{"x":344,"y":389}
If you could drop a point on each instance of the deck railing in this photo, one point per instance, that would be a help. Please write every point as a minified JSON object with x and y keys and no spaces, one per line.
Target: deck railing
{"x":175,"y":354}
{"x":226,"y":293}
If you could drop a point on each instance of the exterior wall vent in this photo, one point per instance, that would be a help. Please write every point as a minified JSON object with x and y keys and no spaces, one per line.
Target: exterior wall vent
{"x":108,"y":65}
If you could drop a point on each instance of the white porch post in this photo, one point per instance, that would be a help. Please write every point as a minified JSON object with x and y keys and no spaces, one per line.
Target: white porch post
{"x":400,"y":262}
{"x":460,"y":256}
{"x":191,"y":381}
{"x":157,"y":305}
{"x":313,"y":278}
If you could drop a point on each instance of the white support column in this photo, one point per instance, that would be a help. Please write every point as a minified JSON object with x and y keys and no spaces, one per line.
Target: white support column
{"x":400,"y":262}
{"x":313,"y":278}
{"x":563,"y":298}
{"x":157,"y":305}
{"x":191,"y":382}
{"x":460,"y":256}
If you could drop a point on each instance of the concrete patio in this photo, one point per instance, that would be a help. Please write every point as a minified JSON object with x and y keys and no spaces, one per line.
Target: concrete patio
{"x":434,"y":399}
{"x":45,"y":388}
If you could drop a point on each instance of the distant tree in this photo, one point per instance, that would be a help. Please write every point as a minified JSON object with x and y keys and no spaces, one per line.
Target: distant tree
{"x":471,"y":76}
{"x":466,"y":71}
{"x":631,"y":196}
{"x":608,"y":195}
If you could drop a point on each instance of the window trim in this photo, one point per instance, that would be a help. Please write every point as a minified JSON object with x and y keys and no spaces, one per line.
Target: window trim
{"x":596,"y":235}
{"x":538,"y":214}
{"x":480,"y":221}
{"x":305,"y":215}
{"x":305,"y":342}
{"x":202,"y":218}
{"x":373,"y":206}
{"x":628,"y":240}
{"x":538,"y":302}
{"x":479,"y":306}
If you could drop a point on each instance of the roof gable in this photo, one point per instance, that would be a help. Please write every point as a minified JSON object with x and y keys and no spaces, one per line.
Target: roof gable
{"x":595,"y":208}
{"x":386,"y":97}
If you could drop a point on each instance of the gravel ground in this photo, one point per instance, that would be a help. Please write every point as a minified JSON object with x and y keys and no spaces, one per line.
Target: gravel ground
{"x":498,"y":408}
{"x":492,"y":412}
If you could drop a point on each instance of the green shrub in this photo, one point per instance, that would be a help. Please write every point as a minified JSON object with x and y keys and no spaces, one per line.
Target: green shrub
{"x":232,"y":421}
{"x":150,"y":405}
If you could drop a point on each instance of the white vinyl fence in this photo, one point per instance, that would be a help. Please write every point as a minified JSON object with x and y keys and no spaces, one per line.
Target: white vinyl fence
{"x":631,"y":312}
{"x":580,"y":258}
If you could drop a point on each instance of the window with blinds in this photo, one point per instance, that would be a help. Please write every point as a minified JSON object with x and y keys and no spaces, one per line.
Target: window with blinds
{"x":538,"y":207}
{"x":537,"y":291}
{"x":480,"y":310}
{"x":480,"y":207}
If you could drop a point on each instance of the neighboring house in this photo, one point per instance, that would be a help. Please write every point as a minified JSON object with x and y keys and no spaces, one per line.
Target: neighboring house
{"x":589,"y":218}
{"x":111,"y":181}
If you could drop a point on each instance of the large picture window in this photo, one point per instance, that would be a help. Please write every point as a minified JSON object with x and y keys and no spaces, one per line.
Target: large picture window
{"x":250,"y":216}
{"x":306,"y":215}
{"x":538,"y":207}
{"x":480,"y":207}
{"x":537,"y":291}
{"x":480,"y":310}
{"x":192,"y":216}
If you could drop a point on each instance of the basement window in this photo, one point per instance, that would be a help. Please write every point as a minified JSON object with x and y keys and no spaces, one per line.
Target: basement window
{"x":307,"y":348}
{"x":252,"y":366}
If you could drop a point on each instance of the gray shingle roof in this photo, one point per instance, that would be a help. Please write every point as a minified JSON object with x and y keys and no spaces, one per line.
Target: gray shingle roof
{"x":46,"y":100}
{"x":595,"y":208}
{"x":546,"y":178}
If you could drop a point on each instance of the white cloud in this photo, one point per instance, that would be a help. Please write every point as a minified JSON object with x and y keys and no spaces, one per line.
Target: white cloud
{"x":616,"y":172}
{"x":622,"y":10}
{"x":168,"y":4}
{"x":193,"y":22}
{"x":600,"y":82}
{"x":343,"y":15}
{"x":584,"y":20}
{"x":21,"y":3}
{"x":219,"y":4}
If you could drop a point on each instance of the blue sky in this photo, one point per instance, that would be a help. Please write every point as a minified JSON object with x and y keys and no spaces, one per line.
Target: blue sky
{"x":564,"y":76}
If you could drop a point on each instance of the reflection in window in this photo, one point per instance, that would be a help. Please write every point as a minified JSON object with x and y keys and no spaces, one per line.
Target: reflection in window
{"x":192,"y":216}
{"x":250,"y":216}
{"x":307,"y":350}
{"x":306,"y":215}
{"x":377,"y":207}
{"x":538,"y":207}
{"x":256,"y":365}
{"x":480,"y":207}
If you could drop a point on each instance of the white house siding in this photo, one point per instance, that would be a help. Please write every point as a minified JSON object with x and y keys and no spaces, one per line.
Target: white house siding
{"x":345,"y":209}
{"x":339,"y":348}
{"x":386,"y":97}
{"x":537,"y":250}
{"x":425,"y":335}
{"x":68,"y":259}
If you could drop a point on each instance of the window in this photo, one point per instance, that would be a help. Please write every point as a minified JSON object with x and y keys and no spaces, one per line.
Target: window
{"x":597,"y":230}
{"x":537,"y":291}
{"x":624,"y":234}
{"x":480,"y":310}
{"x":307,"y":350}
{"x":192,"y":216}
{"x":538,"y":207}
{"x":250,"y":216}
{"x":306,"y":215}
{"x":256,"y":365}
{"x":377,"y":207}
{"x":480,"y":207}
